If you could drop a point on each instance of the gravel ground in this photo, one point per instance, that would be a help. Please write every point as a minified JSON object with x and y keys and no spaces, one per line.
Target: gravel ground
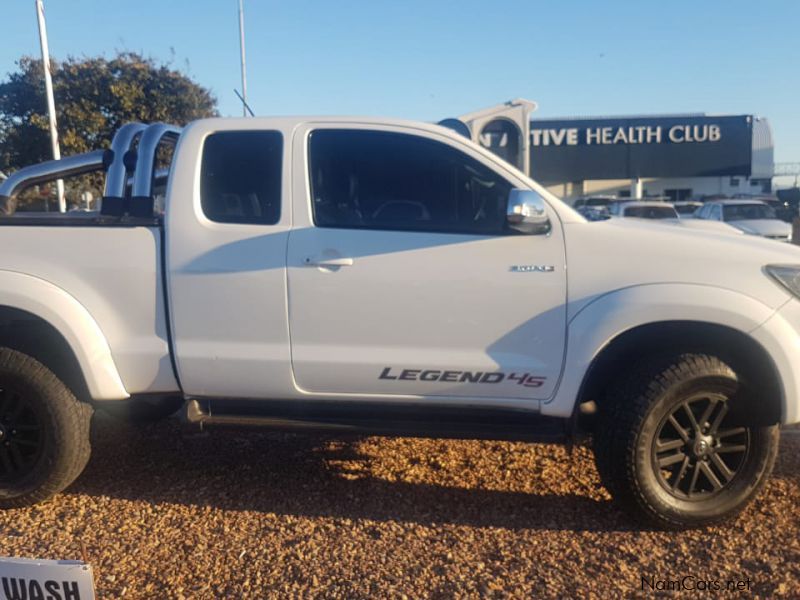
{"x":168,"y":512}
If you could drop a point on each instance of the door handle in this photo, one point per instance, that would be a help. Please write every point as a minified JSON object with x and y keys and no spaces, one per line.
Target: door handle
{"x":328,"y":262}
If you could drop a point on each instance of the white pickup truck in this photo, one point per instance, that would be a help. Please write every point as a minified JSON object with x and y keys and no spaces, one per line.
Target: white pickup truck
{"x":389,"y":277}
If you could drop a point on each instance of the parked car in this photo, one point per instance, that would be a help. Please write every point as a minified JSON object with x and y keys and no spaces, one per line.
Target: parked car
{"x":751,"y":216}
{"x":686,"y":208}
{"x":394,"y":278}
{"x":784,"y":210}
{"x":706,"y":225}
{"x":594,"y":213}
{"x":643,"y":209}
{"x":596,"y":200}
{"x":665,"y":213}
{"x":790,"y":198}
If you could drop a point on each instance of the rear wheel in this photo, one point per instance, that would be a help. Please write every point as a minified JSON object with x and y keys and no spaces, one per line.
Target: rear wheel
{"x":44,"y":432}
{"x":677,"y":446}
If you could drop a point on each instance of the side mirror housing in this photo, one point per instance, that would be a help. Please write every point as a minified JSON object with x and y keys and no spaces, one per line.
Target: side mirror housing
{"x":527,"y":212}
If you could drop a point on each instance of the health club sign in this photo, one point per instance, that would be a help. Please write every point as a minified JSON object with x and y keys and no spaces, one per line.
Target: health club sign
{"x":580,"y":149}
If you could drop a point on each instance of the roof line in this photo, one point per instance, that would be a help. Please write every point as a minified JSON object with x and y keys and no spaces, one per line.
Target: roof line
{"x":641,"y":116}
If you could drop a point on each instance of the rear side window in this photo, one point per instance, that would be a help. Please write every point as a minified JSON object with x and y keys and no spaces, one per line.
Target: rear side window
{"x":240,"y":180}
{"x":391,"y":181}
{"x":651,"y":212}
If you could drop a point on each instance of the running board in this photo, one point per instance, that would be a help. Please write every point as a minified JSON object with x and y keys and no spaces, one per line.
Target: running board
{"x":381,"y":420}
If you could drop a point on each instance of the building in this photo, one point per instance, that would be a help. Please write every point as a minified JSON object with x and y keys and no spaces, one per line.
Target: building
{"x":674,"y":156}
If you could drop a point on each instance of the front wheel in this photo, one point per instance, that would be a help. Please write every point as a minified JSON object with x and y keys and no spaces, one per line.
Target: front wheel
{"x":44,"y":432}
{"x":675,"y":443}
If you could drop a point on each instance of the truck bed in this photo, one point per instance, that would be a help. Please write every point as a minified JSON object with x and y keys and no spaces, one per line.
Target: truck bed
{"x":115,"y":272}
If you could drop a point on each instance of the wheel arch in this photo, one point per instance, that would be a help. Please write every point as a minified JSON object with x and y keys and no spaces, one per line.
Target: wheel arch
{"x":622,"y":325}
{"x":745,"y":355}
{"x":43,"y":321}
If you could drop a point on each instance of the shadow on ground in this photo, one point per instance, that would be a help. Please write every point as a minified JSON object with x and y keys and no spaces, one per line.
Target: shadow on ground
{"x":315,"y":476}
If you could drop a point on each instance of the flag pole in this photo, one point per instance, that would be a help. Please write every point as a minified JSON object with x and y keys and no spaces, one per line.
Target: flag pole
{"x":242,"y":54}
{"x":51,"y":103}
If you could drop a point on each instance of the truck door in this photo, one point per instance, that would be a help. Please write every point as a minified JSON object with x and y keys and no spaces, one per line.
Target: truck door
{"x":227,"y":228}
{"x":404,"y":278}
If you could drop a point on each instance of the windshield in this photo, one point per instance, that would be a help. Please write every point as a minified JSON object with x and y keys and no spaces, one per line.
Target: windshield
{"x":686,"y":209}
{"x":651,"y":212}
{"x":750,"y":212}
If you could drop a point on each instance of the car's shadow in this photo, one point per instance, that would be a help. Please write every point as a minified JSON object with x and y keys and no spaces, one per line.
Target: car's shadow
{"x":316,"y":476}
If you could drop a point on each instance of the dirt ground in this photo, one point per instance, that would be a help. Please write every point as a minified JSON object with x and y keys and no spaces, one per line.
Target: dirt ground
{"x":167,"y":511}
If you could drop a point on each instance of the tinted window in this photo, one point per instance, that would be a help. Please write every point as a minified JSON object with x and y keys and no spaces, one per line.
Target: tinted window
{"x":651,"y":212}
{"x":685,"y":209}
{"x":241,"y":177}
{"x":755,"y":211}
{"x":381,"y":180}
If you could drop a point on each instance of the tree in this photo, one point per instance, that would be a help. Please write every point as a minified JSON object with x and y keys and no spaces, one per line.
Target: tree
{"x":94,"y":96}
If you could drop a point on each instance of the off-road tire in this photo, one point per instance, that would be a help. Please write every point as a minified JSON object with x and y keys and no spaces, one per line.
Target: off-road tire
{"x":638,"y":409}
{"x":53,"y":419}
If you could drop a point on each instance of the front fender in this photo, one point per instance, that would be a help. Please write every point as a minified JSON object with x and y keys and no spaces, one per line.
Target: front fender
{"x":69,"y":317}
{"x":612,"y":314}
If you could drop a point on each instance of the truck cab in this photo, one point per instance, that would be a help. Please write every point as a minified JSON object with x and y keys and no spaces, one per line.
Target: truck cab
{"x":345,"y":260}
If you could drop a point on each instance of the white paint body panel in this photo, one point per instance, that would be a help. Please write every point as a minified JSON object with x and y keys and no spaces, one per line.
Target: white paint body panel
{"x":227,"y":284}
{"x":421,"y":300}
{"x":624,"y":273}
{"x":114,"y":275}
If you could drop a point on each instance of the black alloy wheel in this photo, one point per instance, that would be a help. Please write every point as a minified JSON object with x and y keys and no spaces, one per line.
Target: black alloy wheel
{"x":679,"y":443}
{"x":695,"y":454}
{"x":44,"y":431}
{"x":21,"y":436}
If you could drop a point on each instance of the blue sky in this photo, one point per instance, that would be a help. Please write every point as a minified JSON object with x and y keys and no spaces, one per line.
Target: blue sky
{"x":432,"y":59}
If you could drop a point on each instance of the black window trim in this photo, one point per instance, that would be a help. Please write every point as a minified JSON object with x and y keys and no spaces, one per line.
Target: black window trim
{"x":507,"y":231}
{"x":282,"y":183}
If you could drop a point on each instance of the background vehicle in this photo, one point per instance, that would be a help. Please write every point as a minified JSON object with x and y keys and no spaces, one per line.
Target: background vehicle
{"x":783,"y":209}
{"x":594,"y":213}
{"x":644,"y":210}
{"x":664,"y":212}
{"x":389,"y":277}
{"x":687,"y":208}
{"x":595,"y":201}
{"x":751,"y":216}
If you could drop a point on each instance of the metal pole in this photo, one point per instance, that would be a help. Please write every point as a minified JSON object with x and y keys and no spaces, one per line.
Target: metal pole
{"x":636,"y":188}
{"x":244,"y":65}
{"x":51,"y":103}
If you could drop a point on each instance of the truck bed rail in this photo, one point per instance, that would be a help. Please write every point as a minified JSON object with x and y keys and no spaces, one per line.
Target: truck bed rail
{"x":47,"y":171}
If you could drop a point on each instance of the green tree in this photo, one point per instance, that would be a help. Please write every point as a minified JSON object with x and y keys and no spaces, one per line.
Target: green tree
{"x":94,"y":96}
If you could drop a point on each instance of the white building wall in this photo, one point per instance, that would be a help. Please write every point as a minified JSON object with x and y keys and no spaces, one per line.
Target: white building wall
{"x":700,"y":186}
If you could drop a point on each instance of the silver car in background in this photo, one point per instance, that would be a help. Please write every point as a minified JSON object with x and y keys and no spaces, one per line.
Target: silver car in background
{"x":749,"y":216}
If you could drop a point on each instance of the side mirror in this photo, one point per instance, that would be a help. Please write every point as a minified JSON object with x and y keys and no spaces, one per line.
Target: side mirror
{"x":527,"y":213}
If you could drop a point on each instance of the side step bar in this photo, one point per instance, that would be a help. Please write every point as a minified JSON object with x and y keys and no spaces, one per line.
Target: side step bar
{"x":195,"y":414}
{"x":382,"y":420}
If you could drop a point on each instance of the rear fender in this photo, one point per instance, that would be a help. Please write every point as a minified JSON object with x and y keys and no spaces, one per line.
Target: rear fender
{"x":78,"y":328}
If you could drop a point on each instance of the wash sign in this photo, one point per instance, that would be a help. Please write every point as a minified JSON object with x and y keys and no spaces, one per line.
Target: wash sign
{"x":565,"y":150}
{"x":22,"y":579}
